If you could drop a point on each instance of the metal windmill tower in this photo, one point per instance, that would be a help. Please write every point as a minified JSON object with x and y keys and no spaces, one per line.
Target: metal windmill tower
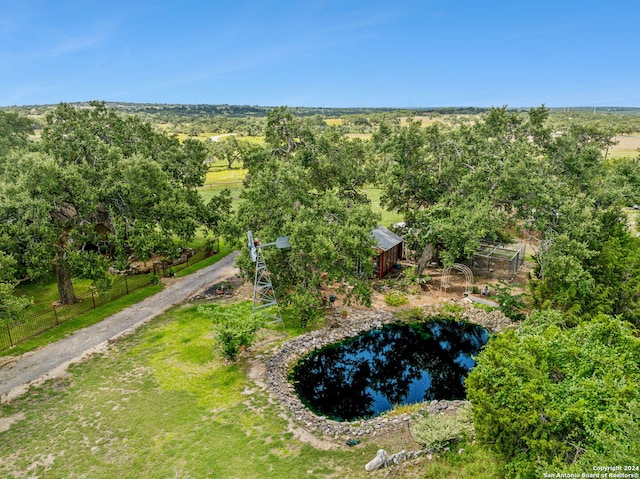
{"x":263,"y":293}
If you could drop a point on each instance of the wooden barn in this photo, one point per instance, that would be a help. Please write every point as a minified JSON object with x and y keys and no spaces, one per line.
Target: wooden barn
{"x":389,"y":249}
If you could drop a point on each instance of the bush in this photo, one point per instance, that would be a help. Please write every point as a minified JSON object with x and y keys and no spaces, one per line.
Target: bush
{"x":234,"y":328}
{"x":436,"y":432}
{"x":512,"y":306}
{"x":548,"y":397}
{"x":395,"y":298}
{"x":305,"y":305}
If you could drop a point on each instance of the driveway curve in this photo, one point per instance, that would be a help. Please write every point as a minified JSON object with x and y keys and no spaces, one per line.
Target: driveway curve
{"x":48,"y":362}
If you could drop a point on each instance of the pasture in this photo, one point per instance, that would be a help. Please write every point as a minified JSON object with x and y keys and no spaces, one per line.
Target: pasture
{"x":163,"y":404}
{"x":627,"y":146}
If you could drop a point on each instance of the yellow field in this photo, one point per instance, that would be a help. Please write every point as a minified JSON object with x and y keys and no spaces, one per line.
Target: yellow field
{"x":627,"y":146}
{"x":225,"y":177}
{"x":334,"y":121}
{"x":425,"y":120}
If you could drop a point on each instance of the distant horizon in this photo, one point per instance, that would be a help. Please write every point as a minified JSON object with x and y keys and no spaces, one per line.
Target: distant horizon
{"x":330,"y":107}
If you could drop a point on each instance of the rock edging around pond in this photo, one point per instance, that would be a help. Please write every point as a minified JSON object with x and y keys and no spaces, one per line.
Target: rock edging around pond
{"x":279,"y":365}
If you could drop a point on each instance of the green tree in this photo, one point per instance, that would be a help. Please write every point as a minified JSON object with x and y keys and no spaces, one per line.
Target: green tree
{"x":14,"y":132}
{"x":548,"y":397}
{"x":301,"y":187}
{"x":228,"y":150}
{"x":104,"y":187}
{"x":462,"y":185}
{"x":11,"y":307}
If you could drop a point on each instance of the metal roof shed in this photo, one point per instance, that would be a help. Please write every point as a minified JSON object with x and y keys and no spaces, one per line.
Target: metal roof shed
{"x":389,"y":248}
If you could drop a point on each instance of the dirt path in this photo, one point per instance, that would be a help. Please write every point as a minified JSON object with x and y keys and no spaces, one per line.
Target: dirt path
{"x":51,"y":361}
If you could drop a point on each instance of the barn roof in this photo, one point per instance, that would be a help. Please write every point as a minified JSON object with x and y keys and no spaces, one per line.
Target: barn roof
{"x":385,"y":239}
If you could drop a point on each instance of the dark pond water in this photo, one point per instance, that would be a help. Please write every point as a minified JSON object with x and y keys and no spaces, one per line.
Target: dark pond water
{"x":364,"y":376}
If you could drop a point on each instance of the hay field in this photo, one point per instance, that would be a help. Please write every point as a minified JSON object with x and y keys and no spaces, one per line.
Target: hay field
{"x":627,"y":146}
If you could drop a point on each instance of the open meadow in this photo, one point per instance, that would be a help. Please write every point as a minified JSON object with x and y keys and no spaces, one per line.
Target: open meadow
{"x":163,"y":404}
{"x":627,"y":146}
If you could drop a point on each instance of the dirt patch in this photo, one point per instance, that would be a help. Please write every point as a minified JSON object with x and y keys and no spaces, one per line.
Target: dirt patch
{"x":7,"y":422}
{"x":232,"y":289}
{"x":6,"y":360}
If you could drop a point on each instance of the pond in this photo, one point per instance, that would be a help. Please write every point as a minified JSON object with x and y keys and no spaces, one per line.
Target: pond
{"x":366,"y":375}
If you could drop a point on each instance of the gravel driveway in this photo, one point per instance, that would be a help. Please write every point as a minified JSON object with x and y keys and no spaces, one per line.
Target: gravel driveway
{"x":17,"y":375}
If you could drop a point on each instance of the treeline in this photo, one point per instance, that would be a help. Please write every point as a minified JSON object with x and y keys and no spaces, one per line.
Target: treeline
{"x":249,"y":120}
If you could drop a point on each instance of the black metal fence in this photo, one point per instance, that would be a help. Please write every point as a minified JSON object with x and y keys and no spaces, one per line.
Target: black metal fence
{"x":33,"y":324}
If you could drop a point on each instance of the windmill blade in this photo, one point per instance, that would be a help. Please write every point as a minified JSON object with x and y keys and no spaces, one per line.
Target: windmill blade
{"x":282,"y":242}
{"x":252,"y":246}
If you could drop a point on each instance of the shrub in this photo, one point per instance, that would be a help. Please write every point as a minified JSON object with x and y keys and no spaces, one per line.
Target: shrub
{"x":454,"y":309}
{"x":395,"y":298}
{"x":545,"y":396}
{"x":305,"y":305}
{"x":413,"y":314}
{"x":234,"y":328}
{"x":438,"y":431}
{"x":512,"y":306}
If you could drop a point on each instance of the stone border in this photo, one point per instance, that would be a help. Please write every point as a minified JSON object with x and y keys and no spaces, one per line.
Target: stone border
{"x":279,"y":365}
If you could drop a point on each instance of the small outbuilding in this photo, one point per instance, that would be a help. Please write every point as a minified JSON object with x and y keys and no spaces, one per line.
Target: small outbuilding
{"x":389,"y":248}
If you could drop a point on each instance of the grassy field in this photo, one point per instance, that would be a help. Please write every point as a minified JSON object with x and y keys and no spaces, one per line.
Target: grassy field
{"x":220,"y":177}
{"x":628,"y":146}
{"x":163,"y":404}
{"x":388,"y":217}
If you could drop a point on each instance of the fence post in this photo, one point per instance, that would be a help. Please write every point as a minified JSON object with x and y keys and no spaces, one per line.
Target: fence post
{"x":9,"y":333}
{"x":55,"y":313}
{"x":93,"y":298}
{"x":126,"y":283}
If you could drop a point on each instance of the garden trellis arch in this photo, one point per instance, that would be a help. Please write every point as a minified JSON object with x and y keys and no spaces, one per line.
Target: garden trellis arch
{"x":446,"y":274}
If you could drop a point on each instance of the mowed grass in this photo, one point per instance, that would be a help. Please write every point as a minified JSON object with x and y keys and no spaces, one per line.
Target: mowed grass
{"x":388,"y":218}
{"x":163,"y":404}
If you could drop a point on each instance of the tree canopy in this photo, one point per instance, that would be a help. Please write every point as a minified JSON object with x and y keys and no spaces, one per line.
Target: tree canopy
{"x":100,"y":188}
{"x":459,"y":186}
{"x":308,"y":187}
{"x":548,"y":397}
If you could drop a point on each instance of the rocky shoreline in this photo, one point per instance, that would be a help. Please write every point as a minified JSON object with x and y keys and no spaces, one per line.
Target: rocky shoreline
{"x":279,"y":364}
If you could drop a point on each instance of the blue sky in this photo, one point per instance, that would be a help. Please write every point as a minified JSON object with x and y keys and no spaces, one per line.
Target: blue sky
{"x":333,"y":53}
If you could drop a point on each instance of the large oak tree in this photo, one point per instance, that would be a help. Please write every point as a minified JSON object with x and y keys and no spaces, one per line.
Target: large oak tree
{"x":308,"y":186}
{"x":103,"y":186}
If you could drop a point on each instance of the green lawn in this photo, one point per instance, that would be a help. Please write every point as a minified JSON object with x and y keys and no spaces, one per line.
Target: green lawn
{"x":388,"y":217}
{"x":45,"y":294}
{"x":163,"y":404}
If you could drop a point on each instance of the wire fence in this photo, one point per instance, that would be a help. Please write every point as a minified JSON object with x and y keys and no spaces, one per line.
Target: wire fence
{"x":33,"y":324}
